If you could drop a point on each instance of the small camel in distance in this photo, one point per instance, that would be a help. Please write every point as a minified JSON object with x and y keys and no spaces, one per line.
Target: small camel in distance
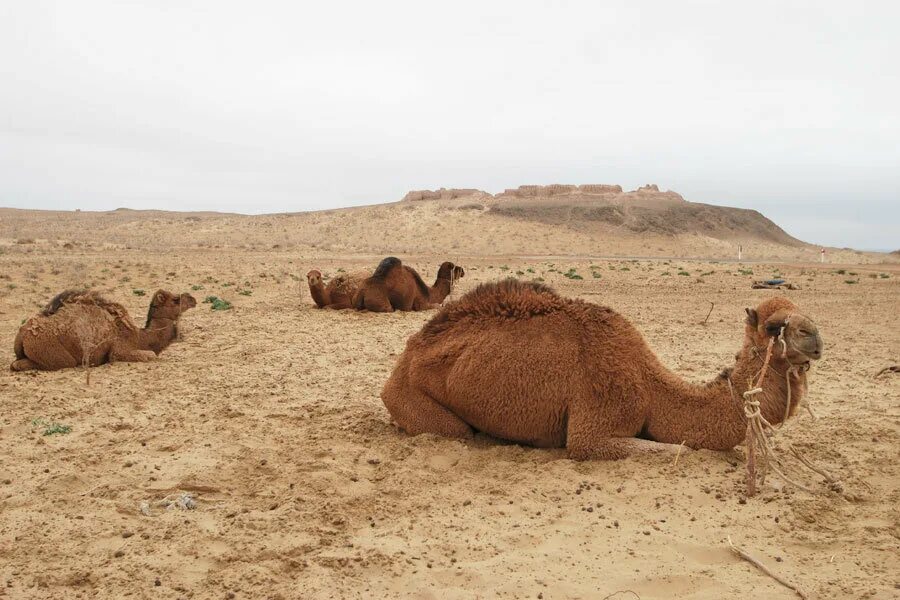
{"x":519,"y":362}
{"x":79,"y":327}
{"x":395,"y":286}
{"x":339,"y":292}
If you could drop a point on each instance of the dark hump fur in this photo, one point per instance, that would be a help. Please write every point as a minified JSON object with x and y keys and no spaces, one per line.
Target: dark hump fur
{"x":385,"y":267}
{"x":423,"y":287}
{"x":61,"y":298}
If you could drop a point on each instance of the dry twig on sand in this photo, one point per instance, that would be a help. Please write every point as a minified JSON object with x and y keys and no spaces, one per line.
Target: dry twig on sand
{"x":891,"y":369}
{"x":712,"y":305}
{"x":741,"y":553}
{"x":614,"y":594}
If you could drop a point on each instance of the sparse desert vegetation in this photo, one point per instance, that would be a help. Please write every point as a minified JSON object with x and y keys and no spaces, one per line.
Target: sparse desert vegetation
{"x":299,"y":484}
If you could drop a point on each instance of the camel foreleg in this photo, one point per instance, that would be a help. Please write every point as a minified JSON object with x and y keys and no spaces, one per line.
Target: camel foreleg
{"x":128,"y":355}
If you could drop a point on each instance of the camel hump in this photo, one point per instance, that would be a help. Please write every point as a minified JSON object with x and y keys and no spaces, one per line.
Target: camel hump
{"x":90,"y":297}
{"x":60,"y":299}
{"x":508,"y":299}
{"x":423,"y":287}
{"x":386,"y":266}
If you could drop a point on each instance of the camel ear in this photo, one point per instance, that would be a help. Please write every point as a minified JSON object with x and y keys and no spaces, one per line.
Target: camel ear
{"x":752,"y":318}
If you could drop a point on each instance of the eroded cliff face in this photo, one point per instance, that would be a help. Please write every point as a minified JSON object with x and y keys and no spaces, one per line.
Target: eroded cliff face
{"x":598,"y":209}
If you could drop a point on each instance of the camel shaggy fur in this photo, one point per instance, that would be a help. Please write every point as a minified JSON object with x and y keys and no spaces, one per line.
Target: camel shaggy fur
{"x":518,"y":362}
{"x":83,"y":328}
{"x":339,"y":292}
{"x":395,"y":286}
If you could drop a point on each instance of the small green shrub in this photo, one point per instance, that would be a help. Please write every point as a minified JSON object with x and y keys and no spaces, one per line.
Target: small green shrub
{"x":139,"y":292}
{"x":217,"y":303}
{"x":684,"y":273}
{"x":51,"y":428}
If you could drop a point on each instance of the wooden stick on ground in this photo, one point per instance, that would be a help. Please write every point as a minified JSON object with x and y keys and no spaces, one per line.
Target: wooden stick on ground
{"x":893,"y":369}
{"x":712,"y":305}
{"x":741,"y":553}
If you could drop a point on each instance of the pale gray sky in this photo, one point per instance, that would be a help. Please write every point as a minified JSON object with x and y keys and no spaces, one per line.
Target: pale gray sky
{"x":792,"y":108}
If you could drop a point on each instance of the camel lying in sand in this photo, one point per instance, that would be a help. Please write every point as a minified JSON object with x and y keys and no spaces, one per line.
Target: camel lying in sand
{"x":518,"y":362}
{"x":83,"y":328}
{"x":339,"y":292}
{"x":394,"y":286}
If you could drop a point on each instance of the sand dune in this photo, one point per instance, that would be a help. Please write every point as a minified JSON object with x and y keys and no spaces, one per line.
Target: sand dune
{"x":594,"y":220}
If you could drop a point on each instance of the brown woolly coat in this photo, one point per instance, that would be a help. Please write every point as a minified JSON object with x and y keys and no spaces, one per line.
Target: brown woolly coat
{"x":339,"y":292}
{"x":82,"y":328}
{"x":395,"y":286}
{"x":520,"y":363}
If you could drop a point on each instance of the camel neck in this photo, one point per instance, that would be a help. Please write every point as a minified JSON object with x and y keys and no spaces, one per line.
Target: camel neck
{"x":319,"y":294}
{"x":712,"y":415}
{"x":158,"y":334}
{"x":440,"y":290}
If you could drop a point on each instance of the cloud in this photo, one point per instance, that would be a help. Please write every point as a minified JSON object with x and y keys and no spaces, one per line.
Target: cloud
{"x":284,"y":106}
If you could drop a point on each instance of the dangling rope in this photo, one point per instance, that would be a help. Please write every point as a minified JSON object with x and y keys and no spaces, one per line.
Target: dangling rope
{"x":759,"y":430}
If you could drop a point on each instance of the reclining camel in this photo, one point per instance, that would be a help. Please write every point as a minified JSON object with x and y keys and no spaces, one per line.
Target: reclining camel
{"x":339,"y":292}
{"x":82,"y":328}
{"x":520,"y":363}
{"x":395,"y":286}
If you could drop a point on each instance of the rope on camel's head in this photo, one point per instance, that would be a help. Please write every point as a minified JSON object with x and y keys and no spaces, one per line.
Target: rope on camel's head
{"x":758,"y":427}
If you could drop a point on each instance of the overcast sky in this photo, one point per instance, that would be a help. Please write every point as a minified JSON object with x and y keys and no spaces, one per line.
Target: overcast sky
{"x":792,"y":108}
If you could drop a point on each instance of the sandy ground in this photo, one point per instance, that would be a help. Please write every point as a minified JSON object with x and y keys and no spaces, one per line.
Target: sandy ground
{"x":269,"y":415}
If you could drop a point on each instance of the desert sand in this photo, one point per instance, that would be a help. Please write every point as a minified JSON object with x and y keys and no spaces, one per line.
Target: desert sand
{"x":269,"y":416}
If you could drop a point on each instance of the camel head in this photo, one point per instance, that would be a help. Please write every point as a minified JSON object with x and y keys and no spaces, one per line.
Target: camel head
{"x":780,"y":316}
{"x":314,"y":278}
{"x":166,"y":305}
{"x":450,"y":271}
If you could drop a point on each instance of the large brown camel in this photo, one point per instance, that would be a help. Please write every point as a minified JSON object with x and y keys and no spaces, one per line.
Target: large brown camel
{"x":339,"y":292}
{"x":395,"y":286}
{"x":518,"y":362}
{"x":82,"y":328}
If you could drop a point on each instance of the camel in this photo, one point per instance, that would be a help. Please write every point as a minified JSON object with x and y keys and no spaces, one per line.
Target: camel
{"x":448,"y":274}
{"x":339,"y":292}
{"x":519,"y":362}
{"x":395,"y":286}
{"x":80,"y":327}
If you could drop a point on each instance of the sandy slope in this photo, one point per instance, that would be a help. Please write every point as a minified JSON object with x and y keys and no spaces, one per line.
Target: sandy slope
{"x":460,"y":227}
{"x":269,"y":415}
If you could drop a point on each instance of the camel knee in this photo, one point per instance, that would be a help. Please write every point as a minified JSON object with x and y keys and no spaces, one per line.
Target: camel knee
{"x":22,"y":364}
{"x":416,"y":413}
